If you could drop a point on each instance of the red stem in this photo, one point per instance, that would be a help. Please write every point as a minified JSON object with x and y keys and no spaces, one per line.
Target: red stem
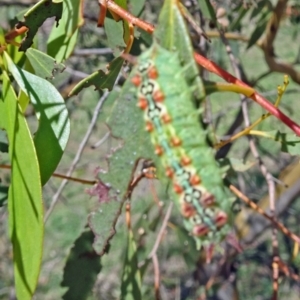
{"x":214,"y":68}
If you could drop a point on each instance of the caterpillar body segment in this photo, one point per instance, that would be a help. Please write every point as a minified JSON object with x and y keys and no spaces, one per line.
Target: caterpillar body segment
{"x":180,"y":143}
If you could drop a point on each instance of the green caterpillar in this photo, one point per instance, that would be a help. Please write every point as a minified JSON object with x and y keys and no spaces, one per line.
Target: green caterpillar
{"x":172,"y":121}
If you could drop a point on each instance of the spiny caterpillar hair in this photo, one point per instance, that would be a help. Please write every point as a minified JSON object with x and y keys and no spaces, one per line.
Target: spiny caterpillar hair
{"x":179,"y":141}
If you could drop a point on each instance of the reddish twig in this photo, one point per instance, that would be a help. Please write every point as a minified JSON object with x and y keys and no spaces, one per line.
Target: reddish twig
{"x":254,"y":206}
{"x":214,"y":68}
{"x":156,"y":276}
{"x":285,"y":269}
{"x":69,"y":178}
{"x":124,"y":14}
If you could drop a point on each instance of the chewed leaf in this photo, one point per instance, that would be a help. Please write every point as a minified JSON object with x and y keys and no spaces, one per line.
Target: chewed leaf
{"x":100,"y":190}
{"x":100,"y":79}
{"x":35,"y":17}
{"x":114,"y":32}
{"x":44,"y":65}
{"x":102,"y":222}
{"x":126,"y":124}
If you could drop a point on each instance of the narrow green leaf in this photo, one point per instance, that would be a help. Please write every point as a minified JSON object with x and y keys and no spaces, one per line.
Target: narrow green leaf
{"x":126,"y":125}
{"x":131,"y":278}
{"x":204,"y":9}
{"x":237,"y":21}
{"x":82,"y":268}
{"x":260,"y":27}
{"x":259,"y":7}
{"x":25,"y":207}
{"x":54,"y":126}
{"x":35,"y":17}
{"x":211,"y":10}
{"x":44,"y":65}
{"x":257,"y":33}
{"x":171,"y":33}
{"x":100,"y":79}
{"x":63,"y":38}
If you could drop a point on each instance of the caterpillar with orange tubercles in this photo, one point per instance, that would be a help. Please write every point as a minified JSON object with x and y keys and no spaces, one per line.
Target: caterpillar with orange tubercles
{"x":180,"y":143}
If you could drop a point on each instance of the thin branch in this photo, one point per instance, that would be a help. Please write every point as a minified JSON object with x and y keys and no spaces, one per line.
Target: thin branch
{"x":259,"y":99}
{"x":100,"y":142}
{"x":156,"y":277}
{"x":254,"y":206}
{"x":70,"y":178}
{"x":267,"y":44}
{"x":263,"y":168}
{"x":161,"y":231}
{"x":78,"y":154}
{"x":92,"y":51}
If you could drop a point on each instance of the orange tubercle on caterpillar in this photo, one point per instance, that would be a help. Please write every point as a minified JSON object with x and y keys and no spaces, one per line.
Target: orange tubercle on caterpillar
{"x":142,"y":103}
{"x":195,"y":179}
{"x":185,"y":160}
{"x":159,"y":150}
{"x":200,"y":230}
{"x":221,"y":219}
{"x":149,"y":126}
{"x":169,"y":172}
{"x":208,"y":200}
{"x":187,"y":209}
{"x":152,"y":73}
{"x":136,"y":80}
{"x":177,"y":188}
{"x":166,"y":118}
{"x":175,"y":141}
{"x":158,"y":96}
